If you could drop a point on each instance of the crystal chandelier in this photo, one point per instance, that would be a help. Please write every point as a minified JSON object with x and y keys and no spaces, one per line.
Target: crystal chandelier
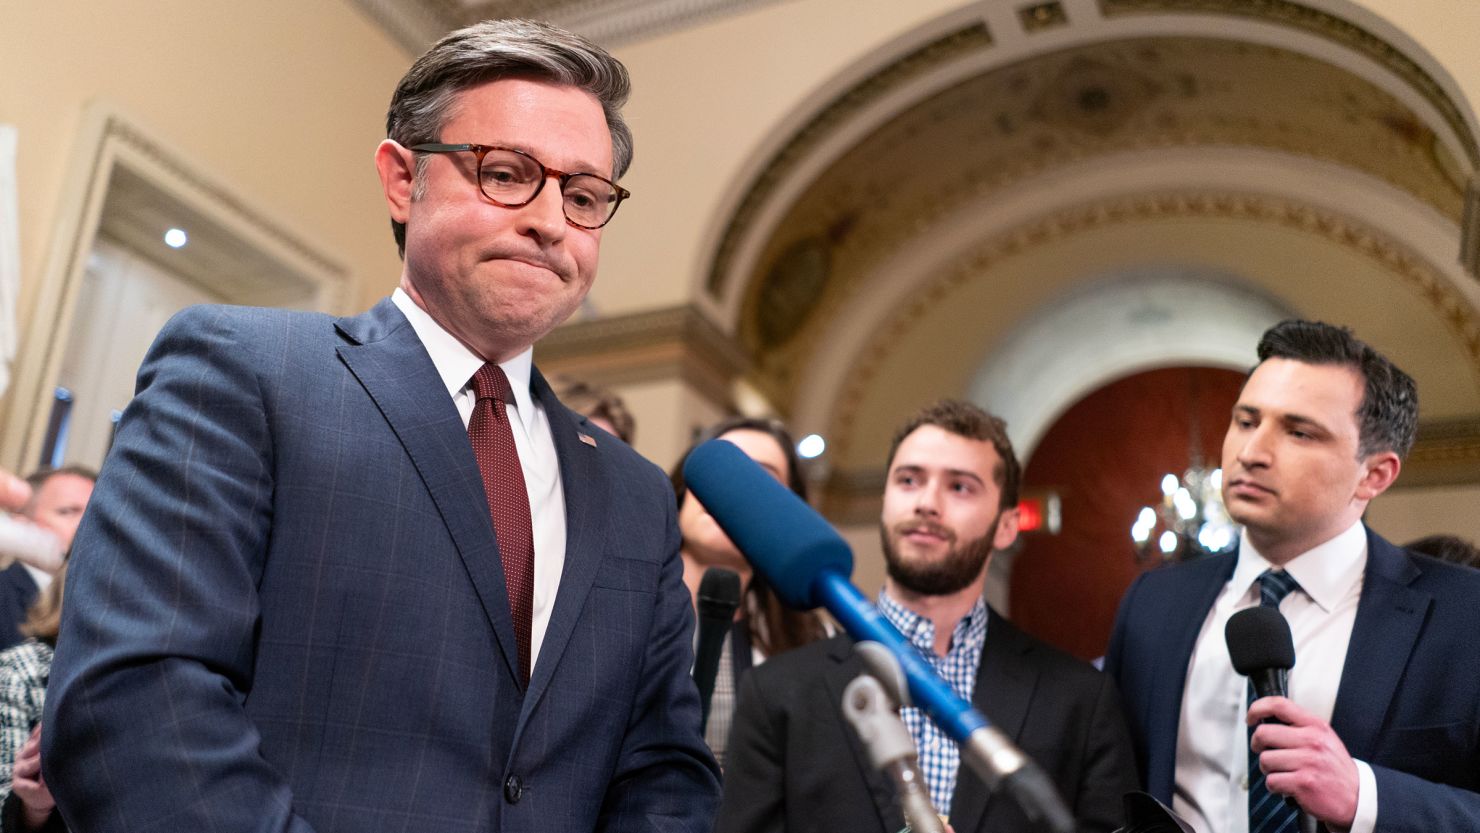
{"x":1190,"y":521}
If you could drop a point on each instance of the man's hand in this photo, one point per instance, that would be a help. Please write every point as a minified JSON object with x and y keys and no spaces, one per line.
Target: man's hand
{"x":28,"y":785}
{"x":14,"y":492}
{"x":1305,"y":760}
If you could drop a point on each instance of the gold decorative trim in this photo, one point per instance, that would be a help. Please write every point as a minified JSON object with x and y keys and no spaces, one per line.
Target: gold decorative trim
{"x":1394,"y":257}
{"x":917,"y":63}
{"x":672,"y":343}
{"x":971,"y":39}
{"x":1041,"y":16}
{"x":1323,"y":24}
{"x":1469,"y":229}
{"x":1446,"y":453}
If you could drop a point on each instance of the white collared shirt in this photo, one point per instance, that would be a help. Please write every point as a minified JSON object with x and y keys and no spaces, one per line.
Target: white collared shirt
{"x":1212,"y":789}
{"x":38,"y":575}
{"x":456,"y":364}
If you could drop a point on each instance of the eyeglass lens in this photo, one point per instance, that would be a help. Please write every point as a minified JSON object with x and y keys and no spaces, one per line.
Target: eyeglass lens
{"x":514,"y":179}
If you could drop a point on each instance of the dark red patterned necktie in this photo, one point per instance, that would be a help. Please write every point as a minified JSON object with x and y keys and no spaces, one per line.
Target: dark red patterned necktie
{"x":508,"y":501}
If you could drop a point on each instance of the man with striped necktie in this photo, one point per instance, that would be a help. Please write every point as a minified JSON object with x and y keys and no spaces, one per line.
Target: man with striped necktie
{"x":1379,"y":731}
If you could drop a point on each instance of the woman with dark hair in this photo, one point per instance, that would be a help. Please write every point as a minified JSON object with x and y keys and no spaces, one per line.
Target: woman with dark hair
{"x":763,"y":626}
{"x":24,"y":669}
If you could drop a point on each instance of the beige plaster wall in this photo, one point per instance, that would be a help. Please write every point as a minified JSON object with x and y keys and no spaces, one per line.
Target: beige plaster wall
{"x":1402,"y":515}
{"x":280,"y":102}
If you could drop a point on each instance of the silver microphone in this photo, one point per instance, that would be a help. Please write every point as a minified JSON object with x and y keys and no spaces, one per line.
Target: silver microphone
{"x":872,"y":712}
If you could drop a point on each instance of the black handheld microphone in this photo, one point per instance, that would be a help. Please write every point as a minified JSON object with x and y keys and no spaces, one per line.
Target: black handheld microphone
{"x":719,"y":598}
{"x":1260,"y":645}
{"x":1261,"y":648}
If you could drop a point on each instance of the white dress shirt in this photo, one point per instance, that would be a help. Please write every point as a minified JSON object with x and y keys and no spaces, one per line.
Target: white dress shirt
{"x":456,"y":364}
{"x":41,"y":577}
{"x":1212,"y":784}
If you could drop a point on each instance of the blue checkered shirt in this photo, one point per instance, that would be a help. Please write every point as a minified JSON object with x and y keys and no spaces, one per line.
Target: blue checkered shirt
{"x":940,"y":758}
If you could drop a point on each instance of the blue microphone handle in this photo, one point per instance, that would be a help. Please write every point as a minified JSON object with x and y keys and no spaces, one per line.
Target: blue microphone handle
{"x":928,"y":691}
{"x":984,"y":749}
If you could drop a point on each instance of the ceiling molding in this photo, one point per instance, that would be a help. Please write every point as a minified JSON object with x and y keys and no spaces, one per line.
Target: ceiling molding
{"x":417,"y":24}
{"x":1322,"y":24}
{"x":1446,"y":453}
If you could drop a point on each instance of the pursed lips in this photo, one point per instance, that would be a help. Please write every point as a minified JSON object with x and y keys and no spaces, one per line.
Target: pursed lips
{"x":535,"y":261}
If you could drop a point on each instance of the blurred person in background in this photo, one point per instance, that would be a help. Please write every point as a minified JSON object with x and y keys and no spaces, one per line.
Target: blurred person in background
{"x":764,"y":626}
{"x":14,"y":492}
{"x":24,"y":669}
{"x":55,"y":503}
{"x":1451,"y":548}
{"x":598,"y":405}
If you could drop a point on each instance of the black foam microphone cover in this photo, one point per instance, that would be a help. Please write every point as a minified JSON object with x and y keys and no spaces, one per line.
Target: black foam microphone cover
{"x":719,"y":594}
{"x":1260,"y":645}
{"x":717,"y":600}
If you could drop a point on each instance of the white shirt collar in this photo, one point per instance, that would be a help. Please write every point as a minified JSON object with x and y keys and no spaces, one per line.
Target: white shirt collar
{"x":38,"y":575}
{"x":1325,"y":572}
{"x":456,"y":364}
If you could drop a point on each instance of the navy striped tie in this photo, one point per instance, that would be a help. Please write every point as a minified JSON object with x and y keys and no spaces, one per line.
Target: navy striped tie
{"x":1269,"y":812}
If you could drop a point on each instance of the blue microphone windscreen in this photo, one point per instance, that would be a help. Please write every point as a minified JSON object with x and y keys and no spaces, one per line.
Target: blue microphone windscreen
{"x":777,"y":532}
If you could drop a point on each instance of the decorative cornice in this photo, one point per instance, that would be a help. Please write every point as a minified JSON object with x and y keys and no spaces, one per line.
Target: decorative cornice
{"x":927,"y":58}
{"x":951,"y":48}
{"x":1394,"y":258}
{"x":122,"y":130}
{"x":1323,"y":24}
{"x":615,"y":23}
{"x":672,"y":343}
{"x":417,"y":24}
{"x":1446,"y":453}
{"x":1469,"y":229}
{"x":414,"y":26}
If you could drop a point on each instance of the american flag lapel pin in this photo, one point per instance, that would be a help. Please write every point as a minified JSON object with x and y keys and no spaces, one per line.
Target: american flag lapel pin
{"x":586,"y":438}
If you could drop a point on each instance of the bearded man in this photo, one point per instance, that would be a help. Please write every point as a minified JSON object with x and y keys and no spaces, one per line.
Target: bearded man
{"x":950,"y":501}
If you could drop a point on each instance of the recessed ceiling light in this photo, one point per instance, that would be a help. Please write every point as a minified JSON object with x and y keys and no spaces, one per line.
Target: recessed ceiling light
{"x":811,"y":446}
{"x":175,"y":238}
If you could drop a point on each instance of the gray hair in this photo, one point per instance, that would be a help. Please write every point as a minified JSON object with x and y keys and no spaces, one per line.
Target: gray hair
{"x":497,"y":49}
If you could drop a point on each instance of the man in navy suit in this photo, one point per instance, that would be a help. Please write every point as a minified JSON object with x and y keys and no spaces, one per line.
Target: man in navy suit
{"x":300,"y":599}
{"x":1381,"y":729}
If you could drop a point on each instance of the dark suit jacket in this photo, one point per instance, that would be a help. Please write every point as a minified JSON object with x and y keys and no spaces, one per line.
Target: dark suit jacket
{"x":17,"y":593}
{"x":794,"y":763}
{"x":1409,"y":698}
{"x":286,"y":610}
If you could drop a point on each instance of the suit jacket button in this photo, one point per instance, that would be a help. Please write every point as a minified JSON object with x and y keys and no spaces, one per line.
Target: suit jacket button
{"x":513,"y":789}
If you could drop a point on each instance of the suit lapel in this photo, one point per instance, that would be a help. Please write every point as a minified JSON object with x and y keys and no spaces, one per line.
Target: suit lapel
{"x":587,"y":488}
{"x":1390,"y":617}
{"x":389,"y":361}
{"x":1005,"y":682}
{"x":843,"y":666}
{"x":1182,"y":619}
